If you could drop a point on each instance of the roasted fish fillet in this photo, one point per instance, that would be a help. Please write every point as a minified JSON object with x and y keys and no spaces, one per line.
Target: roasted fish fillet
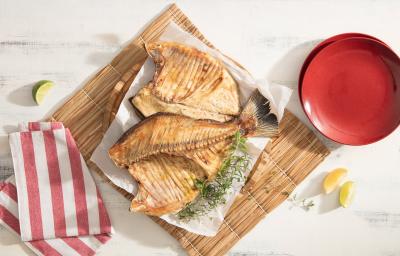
{"x":168,"y":133}
{"x":190,"y":82}
{"x":166,"y":183}
{"x":148,"y":104}
{"x":171,"y":133}
{"x":209,"y":158}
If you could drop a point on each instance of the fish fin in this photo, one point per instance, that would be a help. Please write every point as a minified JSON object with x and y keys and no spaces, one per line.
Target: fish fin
{"x":256,"y":119}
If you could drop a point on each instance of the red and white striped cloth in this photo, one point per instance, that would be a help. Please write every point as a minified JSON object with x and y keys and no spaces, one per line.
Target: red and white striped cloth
{"x":53,"y":203}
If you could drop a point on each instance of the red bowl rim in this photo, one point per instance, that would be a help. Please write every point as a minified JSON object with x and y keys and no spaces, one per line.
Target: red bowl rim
{"x":309,"y":118}
{"x":321,"y":46}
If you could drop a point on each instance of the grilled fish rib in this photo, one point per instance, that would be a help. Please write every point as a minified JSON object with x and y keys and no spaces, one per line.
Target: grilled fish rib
{"x":209,"y":158}
{"x":193,"y":78}
{"x":166,"y":184}
{"x":168,"y":133}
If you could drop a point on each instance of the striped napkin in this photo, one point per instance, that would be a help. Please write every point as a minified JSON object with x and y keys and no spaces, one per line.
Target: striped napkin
{"x":52,"y":202}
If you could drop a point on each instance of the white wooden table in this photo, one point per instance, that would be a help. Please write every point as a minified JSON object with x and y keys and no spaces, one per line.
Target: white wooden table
{"x":67,"y":41}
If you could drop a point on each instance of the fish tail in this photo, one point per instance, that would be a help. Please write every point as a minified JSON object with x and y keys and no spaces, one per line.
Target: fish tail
{"x":256,"y":119}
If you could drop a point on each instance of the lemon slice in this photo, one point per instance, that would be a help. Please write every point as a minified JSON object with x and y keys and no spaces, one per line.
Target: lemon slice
{"x":41,"y":89}
{"x":347,"y":192}
{"x":333,"y":179}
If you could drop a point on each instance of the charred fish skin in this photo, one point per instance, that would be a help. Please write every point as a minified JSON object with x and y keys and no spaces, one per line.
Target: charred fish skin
{"x":168,"y":133}
{"x":166,"y":183}
{"x":194,"y":78}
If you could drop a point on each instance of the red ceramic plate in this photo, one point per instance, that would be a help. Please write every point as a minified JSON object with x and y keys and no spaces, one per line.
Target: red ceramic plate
{"x":322,"y":45}
{"x":351,"y":91}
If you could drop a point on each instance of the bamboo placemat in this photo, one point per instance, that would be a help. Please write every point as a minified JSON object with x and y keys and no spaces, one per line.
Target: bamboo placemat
{"x":285,"y":162}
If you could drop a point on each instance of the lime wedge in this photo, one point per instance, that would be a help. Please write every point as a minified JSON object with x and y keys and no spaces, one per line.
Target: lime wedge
{"x":40,"y":90}
{"x":333,"y":179}
{"x":347,"y":192}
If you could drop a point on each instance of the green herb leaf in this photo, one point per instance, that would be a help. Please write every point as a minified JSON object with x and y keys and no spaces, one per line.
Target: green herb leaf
{"x":212,"y":194}
{"x":305,"y":204}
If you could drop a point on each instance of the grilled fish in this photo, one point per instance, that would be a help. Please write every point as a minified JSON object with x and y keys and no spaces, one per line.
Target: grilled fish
{"x":168,"y":133}
{"x":166,"y":153}
{"x":172,"y":133}
{"x":189,"y":82}
{"x":166,"y":183}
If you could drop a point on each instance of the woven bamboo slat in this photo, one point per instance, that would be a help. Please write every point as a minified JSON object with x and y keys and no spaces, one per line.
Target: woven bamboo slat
{"x":285,"y":162}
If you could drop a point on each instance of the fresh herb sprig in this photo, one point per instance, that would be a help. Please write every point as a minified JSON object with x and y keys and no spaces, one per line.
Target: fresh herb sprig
{"x":212,"y":194}
{"x":301,"y":203}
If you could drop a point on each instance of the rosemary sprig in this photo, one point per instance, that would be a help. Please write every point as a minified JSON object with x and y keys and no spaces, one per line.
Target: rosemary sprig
{"x":301,"y":203}
{"x":212,"y":194}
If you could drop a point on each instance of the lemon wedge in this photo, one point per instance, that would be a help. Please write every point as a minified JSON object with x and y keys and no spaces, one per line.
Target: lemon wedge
{"x":347,"y":192}
{"x":333,"y":179}
{"x":41,"y":89}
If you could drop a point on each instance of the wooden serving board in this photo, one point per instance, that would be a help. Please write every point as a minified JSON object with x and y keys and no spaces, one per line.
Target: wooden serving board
{"x":285,"y":162}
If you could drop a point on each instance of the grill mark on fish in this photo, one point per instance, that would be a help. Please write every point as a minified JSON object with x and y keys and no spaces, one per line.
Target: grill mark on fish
{"x":163,"y":133}
{"x":197,"y":75}
{"x":189,"y":88}
{"x":212,"y":74}
{"x":178,"y":80}
{"x":178,"y":184}
{"x":170,"y":77}
{"x":161,"y":181}
{"x":187,"y":71}
{"x":209,"y":158}
{"x":194,"y":74}
{"x":143,"y":179}
{"x":156,"y":185}
{"x":182,"y":74}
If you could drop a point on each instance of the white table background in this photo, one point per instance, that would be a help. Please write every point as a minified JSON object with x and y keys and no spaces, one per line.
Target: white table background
{"x":68,"y":41}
